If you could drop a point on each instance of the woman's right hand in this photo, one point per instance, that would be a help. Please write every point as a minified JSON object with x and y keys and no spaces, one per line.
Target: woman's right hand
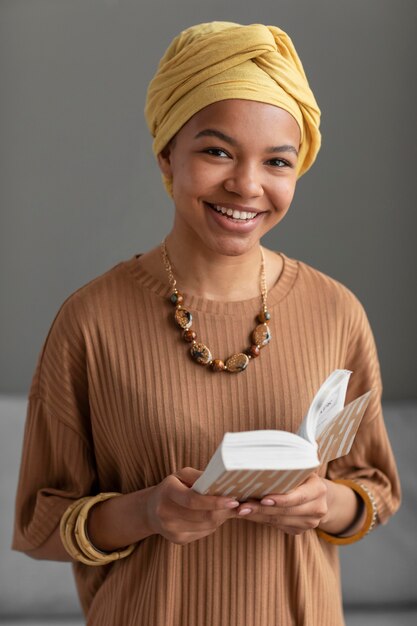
{"x":180,"y":514}
{"x":171,"y":509}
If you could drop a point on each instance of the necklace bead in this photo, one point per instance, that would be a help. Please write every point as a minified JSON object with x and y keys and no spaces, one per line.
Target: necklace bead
{"x":177,"y":298}
{"x":189,"y":335}
{"x":217,"y":365}
{"x":253,"y":351}
{"x":237,"y":362}
{"x":200,"y":353}
{"x":183,"y":317}
{"x":263,"y":317}
{"x":261,"y":336}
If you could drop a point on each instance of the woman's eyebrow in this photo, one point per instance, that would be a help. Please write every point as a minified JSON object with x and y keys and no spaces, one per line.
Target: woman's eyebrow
{"x":285,"y":148}
{"x":212,"y":132}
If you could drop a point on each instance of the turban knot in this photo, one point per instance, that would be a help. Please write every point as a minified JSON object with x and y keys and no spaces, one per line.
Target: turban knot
{"x":222,"y":60}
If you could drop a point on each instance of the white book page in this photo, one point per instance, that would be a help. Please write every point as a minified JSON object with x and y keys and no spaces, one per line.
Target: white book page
{"x":332,"y":406}
{"x":327,"y":403}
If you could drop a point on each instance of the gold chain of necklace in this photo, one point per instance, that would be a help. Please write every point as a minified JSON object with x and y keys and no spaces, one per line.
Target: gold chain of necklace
{"x":201,"y":354}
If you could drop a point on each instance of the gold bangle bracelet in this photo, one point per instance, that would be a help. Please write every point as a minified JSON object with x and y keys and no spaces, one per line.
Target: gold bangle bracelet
{"x":83,"y":541}
{"x":370,"y":519}
{"x":71,"y":542}
{"x":68,"y":512}
{"x":69,"y":537}
{"x":66,"y":528}
{"x":72,"y":546}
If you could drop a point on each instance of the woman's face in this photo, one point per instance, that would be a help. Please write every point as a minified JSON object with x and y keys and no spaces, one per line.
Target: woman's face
{"x":233,"y":167}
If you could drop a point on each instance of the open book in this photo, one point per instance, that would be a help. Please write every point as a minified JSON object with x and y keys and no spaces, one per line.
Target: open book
{"x":255,"y":463}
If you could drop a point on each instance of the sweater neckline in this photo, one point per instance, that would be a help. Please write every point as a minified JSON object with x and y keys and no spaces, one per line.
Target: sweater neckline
{"x":198,"y":303}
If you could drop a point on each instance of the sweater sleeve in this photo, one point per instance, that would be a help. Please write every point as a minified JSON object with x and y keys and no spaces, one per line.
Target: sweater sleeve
{"x":371,"y":461}
{"x":57,"y":464}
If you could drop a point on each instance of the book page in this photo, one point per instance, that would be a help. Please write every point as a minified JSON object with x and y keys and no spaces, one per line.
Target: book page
{"x":327,"y":402}
{"x":331,"y":407}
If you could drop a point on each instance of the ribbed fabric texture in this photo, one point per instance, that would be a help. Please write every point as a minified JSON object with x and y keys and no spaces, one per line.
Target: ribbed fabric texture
{"x":116,"y":404}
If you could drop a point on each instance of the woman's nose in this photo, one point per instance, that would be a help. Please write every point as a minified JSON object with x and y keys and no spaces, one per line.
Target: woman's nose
{"x":245,"y":180}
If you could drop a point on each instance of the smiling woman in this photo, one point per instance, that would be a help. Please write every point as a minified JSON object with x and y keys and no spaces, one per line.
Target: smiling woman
{"x":121,"y":420}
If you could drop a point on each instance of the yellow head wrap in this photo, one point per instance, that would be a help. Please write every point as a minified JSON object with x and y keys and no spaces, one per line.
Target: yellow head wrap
{"x":220,"y":61}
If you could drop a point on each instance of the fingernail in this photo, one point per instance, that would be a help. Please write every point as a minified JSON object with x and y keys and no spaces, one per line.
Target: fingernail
{"x":232,"y":504}
{"x":267,"y":502}
{"x":245,"y":511}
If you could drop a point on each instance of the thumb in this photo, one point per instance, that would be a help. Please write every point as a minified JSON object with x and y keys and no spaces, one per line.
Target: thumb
{"x":188,"y":475}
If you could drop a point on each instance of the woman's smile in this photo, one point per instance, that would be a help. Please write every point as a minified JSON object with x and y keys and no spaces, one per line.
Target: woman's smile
{"x":233,"y":219}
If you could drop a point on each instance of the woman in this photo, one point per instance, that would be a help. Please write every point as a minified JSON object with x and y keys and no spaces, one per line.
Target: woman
{"x":118,"y":405}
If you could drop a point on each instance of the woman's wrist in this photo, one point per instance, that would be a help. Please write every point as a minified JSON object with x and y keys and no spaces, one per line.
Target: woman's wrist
{"x":119,"y":522}
{"x":366,"y":520}
{"x":346,"y":511}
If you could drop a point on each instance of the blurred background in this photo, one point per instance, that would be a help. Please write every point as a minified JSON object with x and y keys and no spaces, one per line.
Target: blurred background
{"x":80,"y":191}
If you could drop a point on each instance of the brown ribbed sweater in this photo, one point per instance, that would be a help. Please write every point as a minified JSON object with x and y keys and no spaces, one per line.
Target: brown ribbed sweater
{"x":116,"y":404}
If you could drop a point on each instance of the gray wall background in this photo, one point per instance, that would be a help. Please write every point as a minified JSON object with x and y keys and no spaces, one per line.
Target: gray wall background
{"x":80,"y":191}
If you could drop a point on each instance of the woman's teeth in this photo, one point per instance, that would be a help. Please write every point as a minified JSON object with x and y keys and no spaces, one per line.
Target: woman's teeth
{"x":233,"y":213}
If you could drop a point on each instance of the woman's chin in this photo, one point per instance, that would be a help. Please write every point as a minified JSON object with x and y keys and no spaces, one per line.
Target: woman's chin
{"x":232,"y":246}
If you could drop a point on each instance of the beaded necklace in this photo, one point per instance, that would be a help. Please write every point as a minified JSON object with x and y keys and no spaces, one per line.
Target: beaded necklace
{"x":201,"y":354}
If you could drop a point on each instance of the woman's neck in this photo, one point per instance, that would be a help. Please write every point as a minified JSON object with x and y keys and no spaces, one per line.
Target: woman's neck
{"x":216,"y":276}
{"x":213,"y":276}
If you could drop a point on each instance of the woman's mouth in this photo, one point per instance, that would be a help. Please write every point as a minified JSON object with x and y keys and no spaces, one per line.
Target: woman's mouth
{"x":233,"y":214}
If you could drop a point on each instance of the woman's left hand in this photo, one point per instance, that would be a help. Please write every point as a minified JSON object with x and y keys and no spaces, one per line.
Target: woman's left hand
{"x":304,"y":508}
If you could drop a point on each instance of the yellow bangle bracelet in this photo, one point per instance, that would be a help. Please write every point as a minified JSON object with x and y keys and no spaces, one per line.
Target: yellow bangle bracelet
{"x":69,"y":540}
{"x":67,"y":526}
{"x":68,"y":511}
{"x":83,"y":541}
{"x":370,"y":519}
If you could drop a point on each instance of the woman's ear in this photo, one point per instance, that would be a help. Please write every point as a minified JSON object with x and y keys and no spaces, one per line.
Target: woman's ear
{"x":164,"y":161}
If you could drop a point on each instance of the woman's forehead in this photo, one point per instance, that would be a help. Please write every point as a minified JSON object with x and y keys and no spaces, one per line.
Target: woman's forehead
{"x":245,"y":117}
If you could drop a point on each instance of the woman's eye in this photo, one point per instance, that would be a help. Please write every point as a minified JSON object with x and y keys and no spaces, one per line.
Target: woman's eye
{"x":216,"y":152}
{"x":279,"y":163}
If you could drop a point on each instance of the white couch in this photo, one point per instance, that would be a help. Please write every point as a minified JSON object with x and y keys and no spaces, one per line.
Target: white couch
{"x":379,"y":573}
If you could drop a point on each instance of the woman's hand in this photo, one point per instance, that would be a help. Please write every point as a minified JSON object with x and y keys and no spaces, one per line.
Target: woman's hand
{"x":173,"y":510}
{"x":182,"y":515}
{"x":304,"y":508}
